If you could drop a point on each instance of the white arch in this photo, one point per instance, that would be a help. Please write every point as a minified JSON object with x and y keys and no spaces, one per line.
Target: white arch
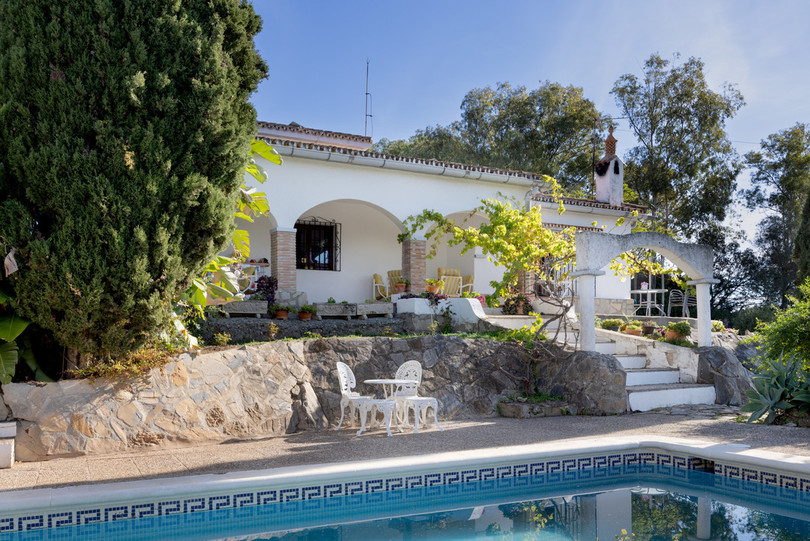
{"x":595,"y":250}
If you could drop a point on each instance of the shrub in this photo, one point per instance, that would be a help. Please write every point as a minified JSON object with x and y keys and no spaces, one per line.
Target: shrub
{"x":680,"y":327}
{"x":307,"y":309}
{"x":605,"y":323}
{"x":718,"y":326}
{"x":266,"y":288}
{"x":221,"y":339}
{"x":125,"y":129}
{"x":279,"y":308}
{"x":789,"y":333}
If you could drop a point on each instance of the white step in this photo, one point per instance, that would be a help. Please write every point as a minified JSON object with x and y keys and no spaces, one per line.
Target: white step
{"x":652,"y":376}
{"x":8,"y":430}
{"x":510,"y":322}
{"x":632,"y":361}
{"x":650,"y":397}
{"x":607,"y":347}
{"x":6,"y":453}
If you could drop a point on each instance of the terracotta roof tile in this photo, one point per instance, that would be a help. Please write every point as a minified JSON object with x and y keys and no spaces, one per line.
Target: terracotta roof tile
{"x":580,"y":202}
{"x":406,"y":159}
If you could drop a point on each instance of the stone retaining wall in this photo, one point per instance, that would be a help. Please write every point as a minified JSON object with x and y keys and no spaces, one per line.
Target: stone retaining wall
{"x":271,"y":388}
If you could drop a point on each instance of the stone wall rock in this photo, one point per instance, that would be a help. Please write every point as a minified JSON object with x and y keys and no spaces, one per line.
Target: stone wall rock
{"x":720,"y":367}
{"x":592,"y":383}
{"x":278,"y":387}
{"x":745,"y":353}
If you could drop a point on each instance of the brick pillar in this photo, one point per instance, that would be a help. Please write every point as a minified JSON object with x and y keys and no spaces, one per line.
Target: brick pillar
{"x":525,"y":285}
{"x":413,"y":264}
{"x":282,"y":257}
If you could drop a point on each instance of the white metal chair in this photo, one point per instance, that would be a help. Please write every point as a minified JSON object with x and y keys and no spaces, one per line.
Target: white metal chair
{"x":467,"y":283}
{"x":678,"y":298}
{"x":378,"y":289}
{"x":357,"y":402}
{"x":407,"y":397}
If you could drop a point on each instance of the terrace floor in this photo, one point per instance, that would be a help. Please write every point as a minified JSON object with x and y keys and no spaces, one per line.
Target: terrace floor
{"x":706,"y":423}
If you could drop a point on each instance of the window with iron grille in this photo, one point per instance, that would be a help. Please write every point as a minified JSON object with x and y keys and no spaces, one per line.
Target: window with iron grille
{"x":317,"y":244}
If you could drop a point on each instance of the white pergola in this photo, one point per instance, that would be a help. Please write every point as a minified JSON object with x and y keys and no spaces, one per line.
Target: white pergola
{"x":596,"y":250}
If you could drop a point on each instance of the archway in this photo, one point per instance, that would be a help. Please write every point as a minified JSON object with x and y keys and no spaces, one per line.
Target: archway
{"x":595,"y":250}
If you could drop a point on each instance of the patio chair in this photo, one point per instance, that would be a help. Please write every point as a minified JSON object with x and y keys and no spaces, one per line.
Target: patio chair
{"x":394,"y":277}
{"x":358,"y":403}
{"x":452,"y":286}
{"x":407,"y":397}
{"x":378,"y":290}
{"x":678,"y":298}
{"x":467,"y":283}
{"x":447,"y":272}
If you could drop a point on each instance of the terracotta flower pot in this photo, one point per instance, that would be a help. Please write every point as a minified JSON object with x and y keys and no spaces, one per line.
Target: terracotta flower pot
{"x":304,"y":316}
{"x":432,"y":289}
{"x":672,"y":335}
{"x":281,"y":314}
{"x":634,"y":332}
{"x":400,"y":287}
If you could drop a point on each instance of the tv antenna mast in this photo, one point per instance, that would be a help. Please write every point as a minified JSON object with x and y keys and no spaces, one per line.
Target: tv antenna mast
{"x":369,"y":103}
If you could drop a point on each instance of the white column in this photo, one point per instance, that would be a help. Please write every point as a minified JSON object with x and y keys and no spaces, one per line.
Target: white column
{"x":587,"y":312}
{"x":704,"y":518}
{"x":704,"y":310}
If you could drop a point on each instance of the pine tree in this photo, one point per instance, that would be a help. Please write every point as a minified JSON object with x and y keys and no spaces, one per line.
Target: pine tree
{"x":801,"y":246}
{"x":125,"y":127}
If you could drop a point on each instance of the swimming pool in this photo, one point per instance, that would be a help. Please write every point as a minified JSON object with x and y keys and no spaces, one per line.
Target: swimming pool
{"x":215,"y":506}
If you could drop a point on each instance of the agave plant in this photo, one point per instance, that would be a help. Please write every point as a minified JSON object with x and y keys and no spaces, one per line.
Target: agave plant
{"x":777,"y":389}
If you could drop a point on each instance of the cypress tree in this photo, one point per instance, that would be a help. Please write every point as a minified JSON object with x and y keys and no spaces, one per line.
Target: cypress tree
{"x":125,"y":128}
{"x":801,"y":246}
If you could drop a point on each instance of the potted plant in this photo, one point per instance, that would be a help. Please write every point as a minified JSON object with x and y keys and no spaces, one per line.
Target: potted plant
{"x":433,"y":286}
{"x":402,"y":285}
{"x":305,"y":312}
{"x":633,"y":328}
{"x":611,"y":324}
{"x":279,"y":311}
{"x":648,"y":328}
{"x":678,"y":330}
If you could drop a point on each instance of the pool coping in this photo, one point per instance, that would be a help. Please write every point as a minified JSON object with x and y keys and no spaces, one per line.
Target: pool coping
{"x":730,"y":459}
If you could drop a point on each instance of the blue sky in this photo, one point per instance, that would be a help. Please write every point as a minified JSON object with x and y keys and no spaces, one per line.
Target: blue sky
{"x":426,"y":55}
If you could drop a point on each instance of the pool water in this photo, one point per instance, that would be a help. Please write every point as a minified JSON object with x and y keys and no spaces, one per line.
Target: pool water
{"x":603,"y":503}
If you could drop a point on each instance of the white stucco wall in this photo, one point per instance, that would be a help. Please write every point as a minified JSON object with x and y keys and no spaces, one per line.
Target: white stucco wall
{"x":300,"y":184}
{"x":371,"y":202}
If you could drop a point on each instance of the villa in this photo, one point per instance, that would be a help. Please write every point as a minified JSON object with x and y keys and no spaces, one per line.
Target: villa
{"x":337,"y":208}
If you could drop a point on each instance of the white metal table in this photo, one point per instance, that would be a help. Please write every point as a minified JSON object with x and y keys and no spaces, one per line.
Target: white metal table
{"x":386,"y":405}
{"x":389,"y":385}
{"x":651,"y":300}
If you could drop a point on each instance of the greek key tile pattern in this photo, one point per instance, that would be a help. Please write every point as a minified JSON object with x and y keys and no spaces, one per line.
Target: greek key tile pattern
{"x":444,"y":483}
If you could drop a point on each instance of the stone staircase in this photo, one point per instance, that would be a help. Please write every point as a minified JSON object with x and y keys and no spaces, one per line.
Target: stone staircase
{"x":647,"y":388}
{"x":652,"y":388}
{"x":8,"y":431}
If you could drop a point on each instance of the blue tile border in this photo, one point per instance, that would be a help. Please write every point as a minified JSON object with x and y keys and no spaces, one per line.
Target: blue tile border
{"x":732,"y":477}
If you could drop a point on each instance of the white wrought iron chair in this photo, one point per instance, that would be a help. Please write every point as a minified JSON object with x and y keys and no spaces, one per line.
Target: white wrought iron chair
{"x":407,"y":397}
{"x":356,"y":402}
{"x":678,"y":298}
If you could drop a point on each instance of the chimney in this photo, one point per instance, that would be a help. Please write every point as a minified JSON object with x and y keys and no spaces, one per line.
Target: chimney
{"x":610,"y":174}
